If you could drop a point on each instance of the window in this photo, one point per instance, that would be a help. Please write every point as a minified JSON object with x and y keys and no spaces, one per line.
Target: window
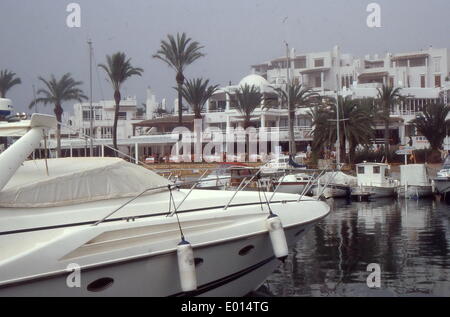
{"x":318,"y":62}
{"x":283,"y":122}
{"x":437,"y":81}
{"x":360,"y":169}
{"x":437,"y":64}
{"x":402,"y":63}
{"x":86,"y":115}
{"x":317,"y":82}
{"x":106,"y":132}
{"x":422,"y":81}
{"x":376,"y":170}
{"x":417,"y":62}
{"x":304,"y":122}
{"x":300,"y":63}
{"x":122,"y":115}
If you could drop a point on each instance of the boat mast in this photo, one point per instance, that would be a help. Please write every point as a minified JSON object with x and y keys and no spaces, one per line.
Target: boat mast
{"x":91,"y":123}
{"x":291,"y":146}
{"x":338,"y":139}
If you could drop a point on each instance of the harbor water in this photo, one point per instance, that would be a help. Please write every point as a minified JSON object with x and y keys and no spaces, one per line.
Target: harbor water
{"x":408,"y":239}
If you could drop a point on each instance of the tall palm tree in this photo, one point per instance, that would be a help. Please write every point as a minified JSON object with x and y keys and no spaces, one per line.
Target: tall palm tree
{"x":8,"y":79}
{"x":299,"y":97}
{"x":119,"y":69}
{"x":433,"y":124}
{"x":246,"y":99}
{"x":57,"y":92}
{"x":177,"y":54}
{"x":387,"y":97}
{"x":356,"y":128}
{"x":197,"y":92}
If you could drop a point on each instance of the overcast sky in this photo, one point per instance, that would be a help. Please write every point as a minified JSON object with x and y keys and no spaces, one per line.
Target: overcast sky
{"x":35,"y":41}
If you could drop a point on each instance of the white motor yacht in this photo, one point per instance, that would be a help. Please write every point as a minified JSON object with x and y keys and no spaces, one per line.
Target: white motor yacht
{"x":106,"y":227}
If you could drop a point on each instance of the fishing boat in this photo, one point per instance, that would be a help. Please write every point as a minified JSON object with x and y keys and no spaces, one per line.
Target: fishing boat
{"x":106,"y":227}
{"x":415,"y":182}
{"x":374,"y":178}
{"x":442,"y":179}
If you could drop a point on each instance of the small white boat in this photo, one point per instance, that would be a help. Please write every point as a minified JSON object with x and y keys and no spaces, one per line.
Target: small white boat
{"x":415,"y":182}
{"x":293,"y":183}
{"x":374,"y":178}
{"x":219,"y":178}
{"x":337,"y":184}
{"x":281,"y":164}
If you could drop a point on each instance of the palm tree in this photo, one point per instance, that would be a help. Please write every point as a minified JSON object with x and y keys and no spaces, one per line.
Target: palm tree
{"x":246,"y":99}
{"x":299,"y":97}
{"x":57,"y":92}
{"x":433,"y":124}
{"x":387,"y":97}
{"x":356,"y":128}
{"x":8,"y":79}
{"x":119,"y":69}
{"x":179,"y":53}
{"x":197,"y":92}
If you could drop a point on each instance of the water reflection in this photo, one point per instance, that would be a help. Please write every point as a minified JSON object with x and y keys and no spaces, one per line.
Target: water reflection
{"x":408,"y":239}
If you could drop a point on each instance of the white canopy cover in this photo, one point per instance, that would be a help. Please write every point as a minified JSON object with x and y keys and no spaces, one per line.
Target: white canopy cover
{"x":414,"y":174}
{"x":76,"y":180}
{"x":338,"y":178}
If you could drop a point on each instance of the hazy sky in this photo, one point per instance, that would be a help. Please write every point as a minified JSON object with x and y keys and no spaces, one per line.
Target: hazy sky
{"x":35,"y":41}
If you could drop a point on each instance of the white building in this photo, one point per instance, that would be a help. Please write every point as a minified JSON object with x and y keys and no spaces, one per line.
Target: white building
{"x":422,"y":75}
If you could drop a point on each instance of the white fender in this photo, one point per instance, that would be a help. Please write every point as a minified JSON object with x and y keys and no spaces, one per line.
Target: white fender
{"x":186,"y":266}
{"x":277,"y":237}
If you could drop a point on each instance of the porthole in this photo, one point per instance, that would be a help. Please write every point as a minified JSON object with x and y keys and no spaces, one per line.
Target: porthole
{"x":100,"y":285}
{"x":246,"y":250}
{"x":198,"y":261}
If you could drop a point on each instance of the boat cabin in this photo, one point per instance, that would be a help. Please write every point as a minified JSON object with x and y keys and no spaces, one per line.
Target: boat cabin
{"x":369,"y":174}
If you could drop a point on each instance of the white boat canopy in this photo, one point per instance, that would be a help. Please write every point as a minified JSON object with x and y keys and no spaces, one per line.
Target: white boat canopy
{"x":76,"y":180}
{"x":414,"y":174}
{"x":338,"y":178}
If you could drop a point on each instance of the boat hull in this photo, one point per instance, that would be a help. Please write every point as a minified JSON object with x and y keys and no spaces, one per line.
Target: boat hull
{"x":375,"y":191}
{"x":442,"y":185}
{"x":138,"y":256}
{"x":415,"y":191}
{"x":158,"y":275}
{"x":331,"y":191}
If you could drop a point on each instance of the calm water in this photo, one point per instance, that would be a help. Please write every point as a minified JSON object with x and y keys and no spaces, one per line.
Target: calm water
{"x":410,"y":240}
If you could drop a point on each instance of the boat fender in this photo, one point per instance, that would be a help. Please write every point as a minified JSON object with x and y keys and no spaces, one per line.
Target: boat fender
{"x":277,"y":237}
{"x":186,"y":266}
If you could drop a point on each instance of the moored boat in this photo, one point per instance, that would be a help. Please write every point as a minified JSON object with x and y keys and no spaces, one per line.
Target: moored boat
{"x":121,"y":227}
{"x":374,"y":178}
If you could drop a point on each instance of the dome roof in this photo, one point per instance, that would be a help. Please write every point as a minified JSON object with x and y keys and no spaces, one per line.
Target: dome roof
{"x":255,"y":80}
